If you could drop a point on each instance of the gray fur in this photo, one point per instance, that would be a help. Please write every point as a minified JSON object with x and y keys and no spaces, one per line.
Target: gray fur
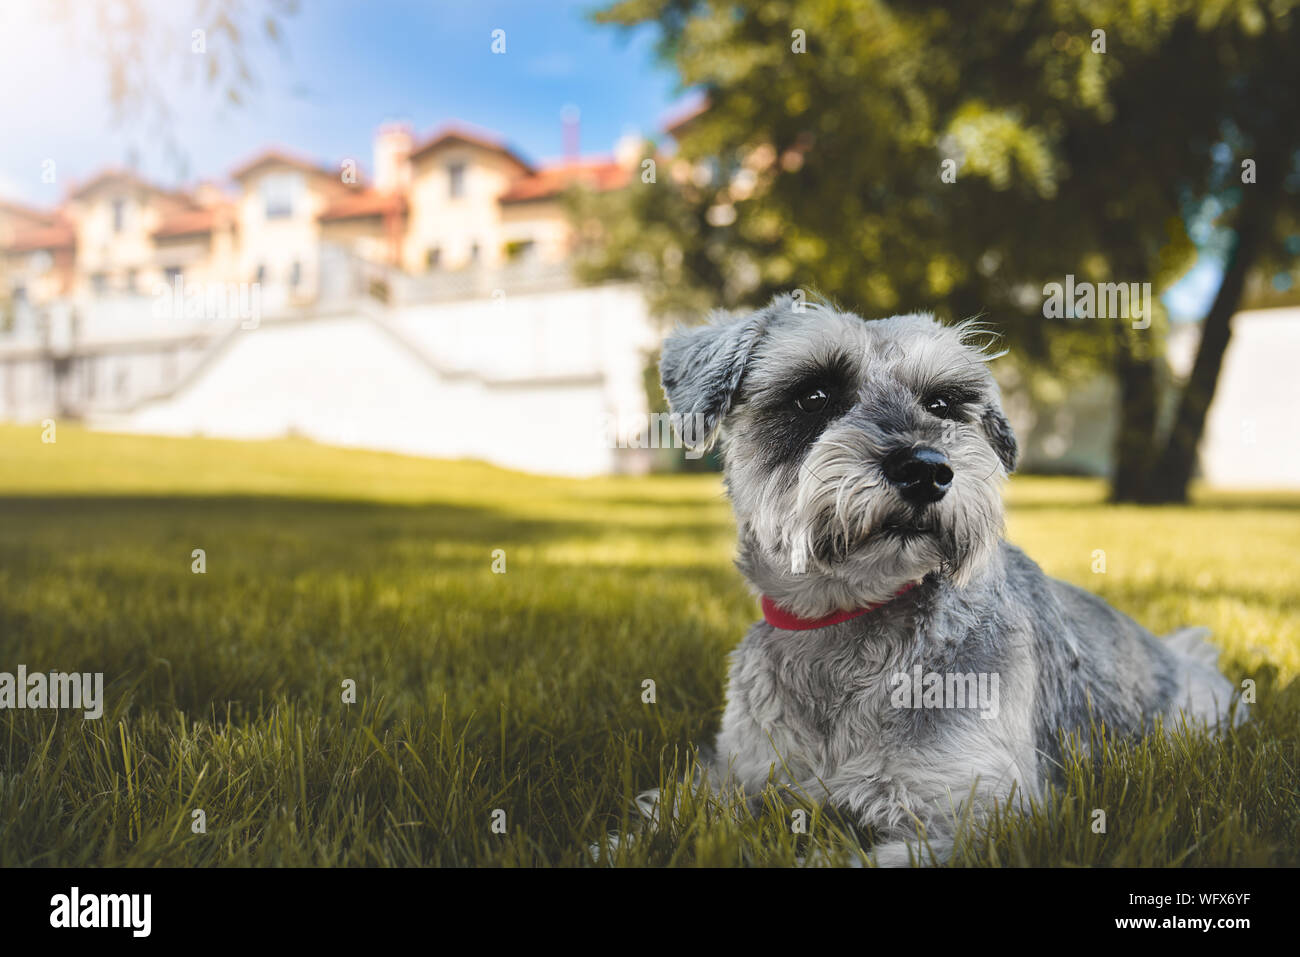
{"x":702,"y":366}
{"x":820,"y":530}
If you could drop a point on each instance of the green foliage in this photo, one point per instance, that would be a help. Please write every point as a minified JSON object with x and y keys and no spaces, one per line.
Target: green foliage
{"x":522,"y":691}
{"x":823,"y":169}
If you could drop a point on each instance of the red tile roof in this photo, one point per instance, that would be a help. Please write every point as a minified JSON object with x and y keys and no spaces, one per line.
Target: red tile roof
{"x":25,"y":212}
{"x":188,"y":218}
{"x":459,"y":133}
{"x":275,"y":155}
{"x":127,"y":176}
{"x":58,"y":235}
{"x":187,"y":224}
{"x":678,"y":124}
{"x":368,"y":202}
{"x":550,"y":181}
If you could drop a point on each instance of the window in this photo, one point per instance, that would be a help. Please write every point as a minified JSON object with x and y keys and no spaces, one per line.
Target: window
{"x":455,"y":180}
{"x":295,"y":274}
{"x":433,"y":258}
{"x":473,"y":252}
{"x":119,"y":215}
{"x":171,"y":274}
{"x":520,"y":250}
{"x":279,"y":192}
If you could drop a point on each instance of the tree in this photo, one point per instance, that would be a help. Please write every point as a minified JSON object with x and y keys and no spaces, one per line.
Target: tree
{"x":147,"y":51}
{"x":962,"y":156}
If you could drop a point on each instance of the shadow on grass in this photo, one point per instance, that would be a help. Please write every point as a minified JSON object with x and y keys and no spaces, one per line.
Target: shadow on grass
{"x":297,"y":592}
{"x":468,"y":523}
{"x":1230,"y":502}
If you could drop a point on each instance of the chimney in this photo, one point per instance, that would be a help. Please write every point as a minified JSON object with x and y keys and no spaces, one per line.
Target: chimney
{"x":629,"y":149}
{"x":208,"y":194}
{"x":392,"y":157}
{"x":570,"y":118}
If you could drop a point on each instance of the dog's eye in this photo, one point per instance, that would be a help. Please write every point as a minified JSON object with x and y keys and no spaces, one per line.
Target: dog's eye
{"x":940,"y":405}
{"x":813,"y":401}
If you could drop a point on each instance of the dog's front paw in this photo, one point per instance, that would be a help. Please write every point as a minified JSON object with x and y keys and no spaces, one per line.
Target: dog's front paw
{"x":647,"y":805}
{"x":911,"y":853}
{"x":893,"y":854}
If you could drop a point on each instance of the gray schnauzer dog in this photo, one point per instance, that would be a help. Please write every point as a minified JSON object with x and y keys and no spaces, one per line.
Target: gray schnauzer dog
{"x":911,"y":665}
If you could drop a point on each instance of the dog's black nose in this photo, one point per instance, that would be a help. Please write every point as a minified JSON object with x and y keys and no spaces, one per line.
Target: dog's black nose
{"x":922,"y":475}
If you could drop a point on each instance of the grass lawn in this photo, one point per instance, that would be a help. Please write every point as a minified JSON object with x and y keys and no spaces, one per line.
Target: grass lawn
{"x":522,"y":691}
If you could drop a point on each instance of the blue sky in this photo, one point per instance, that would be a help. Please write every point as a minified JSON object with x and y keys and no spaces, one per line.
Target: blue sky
{"x":349,"y":66}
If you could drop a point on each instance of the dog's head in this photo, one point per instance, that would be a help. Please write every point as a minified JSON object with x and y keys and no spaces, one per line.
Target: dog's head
{"x":859,"y":456}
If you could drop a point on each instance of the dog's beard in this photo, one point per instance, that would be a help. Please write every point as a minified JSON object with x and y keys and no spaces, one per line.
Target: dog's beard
{"x":837,"y":534}
{"x":859,"y":527}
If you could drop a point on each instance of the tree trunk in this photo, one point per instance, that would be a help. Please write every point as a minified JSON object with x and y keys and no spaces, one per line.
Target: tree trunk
{"x":1138,"y":402}
{"x":1173,"y":472}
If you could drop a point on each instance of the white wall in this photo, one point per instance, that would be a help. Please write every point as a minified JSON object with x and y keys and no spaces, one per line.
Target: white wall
{"x":500,"y":380}
{"x":1252,"y":435}
{"x":524,"y":383}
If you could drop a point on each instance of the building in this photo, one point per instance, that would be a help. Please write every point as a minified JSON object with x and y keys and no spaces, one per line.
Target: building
{"x":298,"y":298}
{"x":459,"y":198}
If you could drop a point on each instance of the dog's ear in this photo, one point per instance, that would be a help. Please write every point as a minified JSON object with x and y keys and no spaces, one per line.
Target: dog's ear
{"x":701,"y":368}
{"x":1001,"y":437}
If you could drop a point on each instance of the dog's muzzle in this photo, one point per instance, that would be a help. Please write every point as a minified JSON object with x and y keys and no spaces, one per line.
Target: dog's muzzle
{"x":922,"y":475}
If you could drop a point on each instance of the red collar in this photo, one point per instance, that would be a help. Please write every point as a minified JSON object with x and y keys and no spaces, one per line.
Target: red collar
{"x":778,"y":617}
